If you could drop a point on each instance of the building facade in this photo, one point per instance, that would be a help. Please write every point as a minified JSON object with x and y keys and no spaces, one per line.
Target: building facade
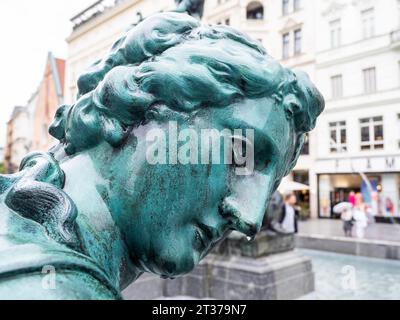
{"x":96,"y":28}
{"x":350,"y":49}
{"x":27,"y":129}
{"x":50,"y":97}
{"x":358,"y":71}
{"x":2,"y":168}
{"x":18,"y":138}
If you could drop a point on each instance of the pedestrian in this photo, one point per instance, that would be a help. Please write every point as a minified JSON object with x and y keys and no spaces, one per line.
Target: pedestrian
{"x":359,"y":216}
{"x":352,"y":198}
{"x":347,"y":218}
{"x":374,"y":206}
{"x":290,"y":214}
{"x":389,"y":206}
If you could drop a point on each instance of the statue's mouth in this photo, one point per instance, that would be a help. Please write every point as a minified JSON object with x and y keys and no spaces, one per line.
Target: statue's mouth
{"x":203,"y":238}
{"x":207,"y":237}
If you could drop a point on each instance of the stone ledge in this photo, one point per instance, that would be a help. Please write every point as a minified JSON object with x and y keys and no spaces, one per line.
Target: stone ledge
{"x":358,"y":247}
{"x":282,"y":276}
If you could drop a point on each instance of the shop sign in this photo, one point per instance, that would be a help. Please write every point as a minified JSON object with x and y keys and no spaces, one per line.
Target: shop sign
{"x":366,"y":164}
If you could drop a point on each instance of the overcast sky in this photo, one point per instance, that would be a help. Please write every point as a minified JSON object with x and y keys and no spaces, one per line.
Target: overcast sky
{"x":29,"y":29}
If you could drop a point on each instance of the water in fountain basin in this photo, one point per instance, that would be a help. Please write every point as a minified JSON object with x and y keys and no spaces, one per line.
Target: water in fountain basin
{"x":343,"y":277}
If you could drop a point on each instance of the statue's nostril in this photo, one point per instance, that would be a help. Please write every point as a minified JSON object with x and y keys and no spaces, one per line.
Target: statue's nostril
{"x":228,"y":210}
{"x":247,"y":228}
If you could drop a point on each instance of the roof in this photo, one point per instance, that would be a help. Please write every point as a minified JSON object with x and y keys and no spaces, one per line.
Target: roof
{"x":17,"y":111}
{"x":58,"y":70}
{"x":61,"y":72}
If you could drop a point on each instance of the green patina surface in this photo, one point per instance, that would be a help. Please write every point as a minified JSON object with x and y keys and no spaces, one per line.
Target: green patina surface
{"x":194,"y":7}
{"x":96,"y":210}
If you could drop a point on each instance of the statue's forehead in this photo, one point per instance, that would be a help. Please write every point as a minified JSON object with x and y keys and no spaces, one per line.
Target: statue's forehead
{"x":261,"y":115}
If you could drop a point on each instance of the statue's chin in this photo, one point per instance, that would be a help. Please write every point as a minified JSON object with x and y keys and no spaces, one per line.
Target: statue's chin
{"x":172,"y":267}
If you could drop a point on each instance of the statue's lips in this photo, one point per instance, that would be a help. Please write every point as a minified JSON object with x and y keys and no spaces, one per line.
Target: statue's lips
{"x":207,"y":236}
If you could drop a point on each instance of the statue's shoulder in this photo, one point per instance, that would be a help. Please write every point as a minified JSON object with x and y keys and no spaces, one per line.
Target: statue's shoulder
{"x":35,"y":194}
{"x":38,"y":237}
{"x":29,"y":256}
{"x":72,"y":285}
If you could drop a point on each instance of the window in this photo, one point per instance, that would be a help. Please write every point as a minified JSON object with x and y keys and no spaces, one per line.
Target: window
{"x":338,"y":137}
{"x":285,"y":7}
{"x":369,"y":80}
{"x":372,"y":133}
{"x":297,"y":41}
{"x":301,"y":177}
{"x":296,"y":5}
{"x":286,"y":46}
{"x":337,"y":86}
{"x":255,"y":11}
{"x":398,"y":129}
{"x":398,"y":13}
{"x":336,"y":33}
{"x":368,"y":23}
{"x":398,"y":69}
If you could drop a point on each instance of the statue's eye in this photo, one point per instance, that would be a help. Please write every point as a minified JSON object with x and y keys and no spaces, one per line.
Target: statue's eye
{"x":240,"y":148}
{"x":265,"y":155}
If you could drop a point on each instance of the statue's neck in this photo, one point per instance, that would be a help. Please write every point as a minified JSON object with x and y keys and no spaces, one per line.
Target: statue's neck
{"x":99,"y":236}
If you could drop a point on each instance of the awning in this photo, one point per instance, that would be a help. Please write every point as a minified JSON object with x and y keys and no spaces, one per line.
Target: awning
{"x":288,"y":186}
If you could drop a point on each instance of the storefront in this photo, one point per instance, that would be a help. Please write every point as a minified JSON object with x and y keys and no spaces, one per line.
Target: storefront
{"x":377,"y":179}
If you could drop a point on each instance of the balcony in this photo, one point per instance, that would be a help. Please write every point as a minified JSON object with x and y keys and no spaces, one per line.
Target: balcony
{"x":395,"y":39}
{"x":93,"y":11}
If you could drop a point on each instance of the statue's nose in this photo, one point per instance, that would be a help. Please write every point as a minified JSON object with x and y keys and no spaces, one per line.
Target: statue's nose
{"x":245,"y":207}
{"x":248,"y":224}
{"x":248,"y":228}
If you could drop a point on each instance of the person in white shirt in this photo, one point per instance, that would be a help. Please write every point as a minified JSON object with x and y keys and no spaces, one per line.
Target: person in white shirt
{"x":360,"y":217}
{"x":290,"y":214}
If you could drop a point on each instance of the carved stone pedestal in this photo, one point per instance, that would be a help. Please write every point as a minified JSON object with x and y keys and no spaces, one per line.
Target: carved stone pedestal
{"x":266,"y":243}
{"x":245,"y":270}
{"x":267,"y":268}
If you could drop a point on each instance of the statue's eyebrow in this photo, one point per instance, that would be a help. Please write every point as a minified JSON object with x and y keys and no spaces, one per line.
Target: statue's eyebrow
{"x":265,"y":147}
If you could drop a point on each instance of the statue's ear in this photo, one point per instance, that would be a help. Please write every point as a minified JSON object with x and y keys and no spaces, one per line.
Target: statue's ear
{"x":113,"y":131}
{"x":292,"y":106}
{"x":57,"y":128}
